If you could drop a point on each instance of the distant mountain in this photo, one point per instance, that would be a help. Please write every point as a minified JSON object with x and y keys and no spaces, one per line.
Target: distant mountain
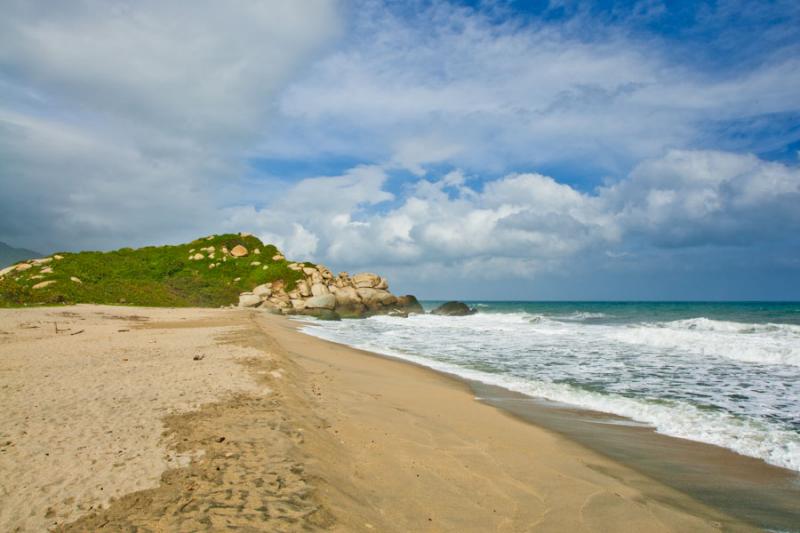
{"x":10,"y":255}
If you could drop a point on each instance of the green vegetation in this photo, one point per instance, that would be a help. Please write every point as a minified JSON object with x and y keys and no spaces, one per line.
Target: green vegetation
{"x":151,"y":276}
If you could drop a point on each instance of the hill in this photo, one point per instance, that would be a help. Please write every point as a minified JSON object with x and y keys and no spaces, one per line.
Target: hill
{"x":214,"y":271}
{"x":10,"y":255}
{"x":178,"y":276}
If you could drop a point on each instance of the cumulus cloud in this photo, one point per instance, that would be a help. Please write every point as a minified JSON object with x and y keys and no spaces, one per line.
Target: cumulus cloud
{"x":521,"y":224}
{"x":126,"y":122}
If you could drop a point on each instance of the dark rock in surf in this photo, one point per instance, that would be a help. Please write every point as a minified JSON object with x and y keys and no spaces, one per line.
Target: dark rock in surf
{"x":454,"y":309}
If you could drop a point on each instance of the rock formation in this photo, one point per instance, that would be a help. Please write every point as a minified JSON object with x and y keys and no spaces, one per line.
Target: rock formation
{"x":454,"y":309}
{"x":322,"y":294}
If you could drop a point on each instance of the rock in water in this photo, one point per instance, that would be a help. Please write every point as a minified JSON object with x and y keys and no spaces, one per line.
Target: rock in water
{"x":410,"y":304}
{"x":454,"y":309}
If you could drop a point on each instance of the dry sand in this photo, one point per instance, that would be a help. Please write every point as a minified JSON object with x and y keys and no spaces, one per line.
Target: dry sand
{"x":111,"y":424}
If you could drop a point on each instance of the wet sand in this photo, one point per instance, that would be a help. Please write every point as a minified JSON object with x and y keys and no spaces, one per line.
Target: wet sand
{"x":202,"y":420}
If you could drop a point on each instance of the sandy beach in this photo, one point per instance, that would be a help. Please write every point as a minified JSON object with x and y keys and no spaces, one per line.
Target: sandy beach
{"x":140,"y":419}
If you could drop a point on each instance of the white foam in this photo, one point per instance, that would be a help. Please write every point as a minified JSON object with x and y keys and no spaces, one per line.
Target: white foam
{"x":753,"y":343}
{"x":658,"y":362}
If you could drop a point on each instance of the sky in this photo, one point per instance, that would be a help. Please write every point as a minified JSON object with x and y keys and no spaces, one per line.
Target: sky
{"x":636,"y":150}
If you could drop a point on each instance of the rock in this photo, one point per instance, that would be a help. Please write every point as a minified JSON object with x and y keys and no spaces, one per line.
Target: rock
{"x":366,"y":280}
{"x":298,"y":303}
{"x":375,"y":298}
{"x":224,"y":250}
{"x":322,"y":314}
{"x":198,"y":257}
{"x":410,"y":304}
{"x":382,"y":284}
{"x":318,"y":289}
{"x":191,"y":251}
{"x":248,"y":299}
{"x":309,"y":271}
{"x":398,"y":313}
{"x":303,"y":288}
{"x":212,"y":265}
{"x":22,"y":267}
{"x":42,"y":261}
{"x":76,"y":280}
{"x":239,"y":251}
{"x":245,"y":234}
{"x":255,"y":264}
{"x":278,"y":257}
{"x":263,"y":291}
{"x":295,"y":266}
{"x":454,"y":309}
{"x":326,"y":301}
{"x":58,"y":257}
{"x":6,"y":270}
{"x":257,"y":251}
{"x":43,"y":284}
{"x":346,"y":295}
{"x":326,"y":274}
{"x":47,"y":270}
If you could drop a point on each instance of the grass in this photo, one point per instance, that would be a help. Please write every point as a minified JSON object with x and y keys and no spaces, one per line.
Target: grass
{"x":151,"y":276}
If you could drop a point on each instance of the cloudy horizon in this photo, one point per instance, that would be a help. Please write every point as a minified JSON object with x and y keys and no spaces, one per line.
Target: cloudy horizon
{"x":495,"y":150}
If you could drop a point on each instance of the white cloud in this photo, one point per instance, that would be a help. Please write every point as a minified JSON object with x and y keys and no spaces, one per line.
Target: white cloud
{"x":452,"y":85}
{"x":123,"y":123}
{"x":522,"y":224}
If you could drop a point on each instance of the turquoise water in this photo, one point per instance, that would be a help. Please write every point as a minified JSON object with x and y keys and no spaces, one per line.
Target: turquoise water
{"x":722,"y":373}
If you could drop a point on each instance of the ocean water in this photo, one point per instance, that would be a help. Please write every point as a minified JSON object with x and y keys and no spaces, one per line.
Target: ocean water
{"x":726,"y":374}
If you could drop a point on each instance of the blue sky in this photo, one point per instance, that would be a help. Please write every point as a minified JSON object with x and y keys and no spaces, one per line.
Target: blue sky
{"x":497,"y":149}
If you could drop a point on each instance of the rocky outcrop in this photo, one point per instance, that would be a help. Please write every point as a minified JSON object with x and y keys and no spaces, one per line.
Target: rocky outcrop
{"x":454,"y":309}
{"x":323,"y":294}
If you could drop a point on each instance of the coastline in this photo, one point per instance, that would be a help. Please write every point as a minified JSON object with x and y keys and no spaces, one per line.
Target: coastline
{"x":324,"y":436}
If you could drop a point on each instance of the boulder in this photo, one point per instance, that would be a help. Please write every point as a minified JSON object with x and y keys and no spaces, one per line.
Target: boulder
{"x":298,"y":303}
{"x":239,"y":251}
{"x":58,"y":257}
{"x":42,"y":261}
{"x":382,"y":284}
{"x":322,"y":314}
{"x":325,"y":272}
{"x":198,"y":257}
{"x":410,"y":304}
{"x":255,"y":264}
{"x":22,"y":267}
{"x":375,"y":298}
{"x":346,"y":296}
{"x":318,"y":289}
{"x":303,"y":288}
{"x":76,"y":280}
{"x":43,"y":284}
{"x":263,"y":291}
{"x":366,"y":280}
{"x":257,"y":251}
{"x":454,"y":309}
{"x":278,"y":257}
{"x":326,"y":301}
{"x":47,"y":270}
{"x":6,"y":270}
{"x":248,"y":299}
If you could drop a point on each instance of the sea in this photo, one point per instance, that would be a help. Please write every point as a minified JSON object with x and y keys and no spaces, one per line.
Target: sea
{"x":726,"y":374}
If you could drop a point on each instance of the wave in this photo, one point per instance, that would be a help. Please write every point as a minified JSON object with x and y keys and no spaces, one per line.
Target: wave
{"x":777,"y":344}
{"x":676,"y":418}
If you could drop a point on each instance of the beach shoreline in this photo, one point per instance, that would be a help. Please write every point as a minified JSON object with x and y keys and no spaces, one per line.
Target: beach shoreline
{"x":287,"y":432}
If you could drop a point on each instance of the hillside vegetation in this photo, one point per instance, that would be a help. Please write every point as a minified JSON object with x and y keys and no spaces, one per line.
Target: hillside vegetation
{"x":202,"y":273}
